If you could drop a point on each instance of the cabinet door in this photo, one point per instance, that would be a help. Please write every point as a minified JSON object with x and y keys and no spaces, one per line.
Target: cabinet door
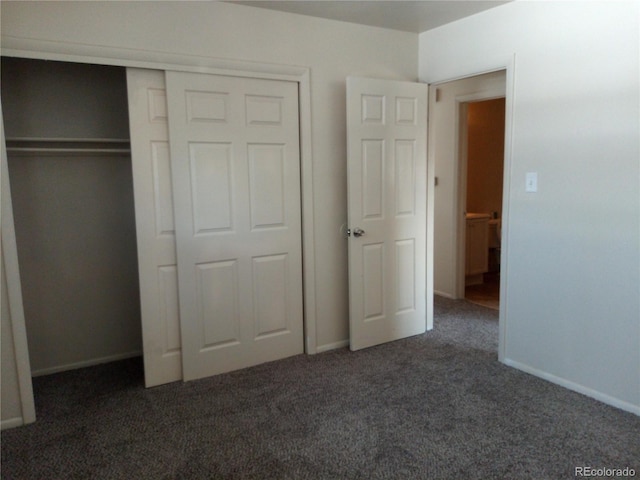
{"x":477,"y":259}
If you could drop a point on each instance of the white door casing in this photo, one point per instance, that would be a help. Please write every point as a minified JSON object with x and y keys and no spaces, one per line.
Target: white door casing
{"x":157,"y":270}
{"x":448,"y":154}
{"x":13,"y":326}
{"x":387,"y":194}
{"x":236,"y":185}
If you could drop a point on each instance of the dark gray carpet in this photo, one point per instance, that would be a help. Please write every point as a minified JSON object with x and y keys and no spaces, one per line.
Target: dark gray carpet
{"x":436,"y":406}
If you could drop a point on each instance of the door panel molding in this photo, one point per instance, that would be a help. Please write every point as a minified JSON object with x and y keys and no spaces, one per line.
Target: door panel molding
{"x":236,"y":195}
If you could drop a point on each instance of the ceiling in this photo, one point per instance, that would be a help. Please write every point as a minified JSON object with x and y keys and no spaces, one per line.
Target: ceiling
{"x":405,"y":15}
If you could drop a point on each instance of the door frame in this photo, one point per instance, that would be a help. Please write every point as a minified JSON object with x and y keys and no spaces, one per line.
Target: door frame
{"x":9,"y":263}
{"x":508,"y":65}
{"x":69,"y":52}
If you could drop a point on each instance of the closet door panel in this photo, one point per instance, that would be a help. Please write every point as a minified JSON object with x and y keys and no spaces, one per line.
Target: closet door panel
{"x":235,"y":164}
{"x":154,"y":226}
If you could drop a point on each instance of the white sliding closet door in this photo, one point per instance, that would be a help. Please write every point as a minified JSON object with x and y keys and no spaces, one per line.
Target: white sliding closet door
{"x":157,"y":268}
{"x":235,"y":163}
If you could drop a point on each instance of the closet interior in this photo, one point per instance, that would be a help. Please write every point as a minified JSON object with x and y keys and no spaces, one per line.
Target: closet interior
{"x":67,"y":136}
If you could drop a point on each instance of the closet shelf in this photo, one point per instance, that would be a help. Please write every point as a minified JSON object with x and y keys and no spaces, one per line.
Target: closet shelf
{"x":68,"y":145}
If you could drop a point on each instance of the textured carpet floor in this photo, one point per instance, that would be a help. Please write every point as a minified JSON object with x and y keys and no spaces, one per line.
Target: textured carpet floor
{"x":435,"y":406}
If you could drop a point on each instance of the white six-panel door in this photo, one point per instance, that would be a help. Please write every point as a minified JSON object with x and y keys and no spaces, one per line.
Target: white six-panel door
{"x":157,"y":268}
{"x":387,"y":181}
{"x":238,"y":216}
{"x":236,"y":187}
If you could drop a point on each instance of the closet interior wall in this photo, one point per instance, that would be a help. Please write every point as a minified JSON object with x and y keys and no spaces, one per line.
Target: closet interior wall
{"x":70,"y":171}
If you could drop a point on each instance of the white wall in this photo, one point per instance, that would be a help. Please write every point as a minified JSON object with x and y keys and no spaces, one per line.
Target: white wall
{"x":332,"y":50}
{"x":63,"y":100}
{"x":485,"y":157}
{"x":573,"y":304}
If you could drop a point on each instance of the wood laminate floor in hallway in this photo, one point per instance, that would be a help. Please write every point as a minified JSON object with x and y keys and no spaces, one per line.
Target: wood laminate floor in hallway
{"x":486,"y":294}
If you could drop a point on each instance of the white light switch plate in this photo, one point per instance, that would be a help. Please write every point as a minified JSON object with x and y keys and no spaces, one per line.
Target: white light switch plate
{"x":531,"y":182}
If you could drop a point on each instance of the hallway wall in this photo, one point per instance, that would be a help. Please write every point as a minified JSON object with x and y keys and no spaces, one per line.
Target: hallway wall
{"x":485,"y":157}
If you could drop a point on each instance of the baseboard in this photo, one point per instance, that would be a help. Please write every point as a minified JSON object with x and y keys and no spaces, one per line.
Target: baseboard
{"x":332,"y":346}
{"x":604,"y":398}
{"x":11,"y":423}
{"x":85,"y":363}
{"x":444,"y":294}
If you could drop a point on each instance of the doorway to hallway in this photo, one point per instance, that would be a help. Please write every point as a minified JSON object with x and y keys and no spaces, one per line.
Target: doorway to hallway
{"x":482,"y":140}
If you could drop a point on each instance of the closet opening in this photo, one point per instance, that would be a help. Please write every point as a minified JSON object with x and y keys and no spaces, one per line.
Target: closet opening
{"x":67,"y":136}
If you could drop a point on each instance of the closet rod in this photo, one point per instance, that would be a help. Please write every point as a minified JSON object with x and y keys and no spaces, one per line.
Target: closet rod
{"x":58,"y":145}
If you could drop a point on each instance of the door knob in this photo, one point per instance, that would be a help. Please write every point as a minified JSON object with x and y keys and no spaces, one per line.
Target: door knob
{"x":358,"y":232}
